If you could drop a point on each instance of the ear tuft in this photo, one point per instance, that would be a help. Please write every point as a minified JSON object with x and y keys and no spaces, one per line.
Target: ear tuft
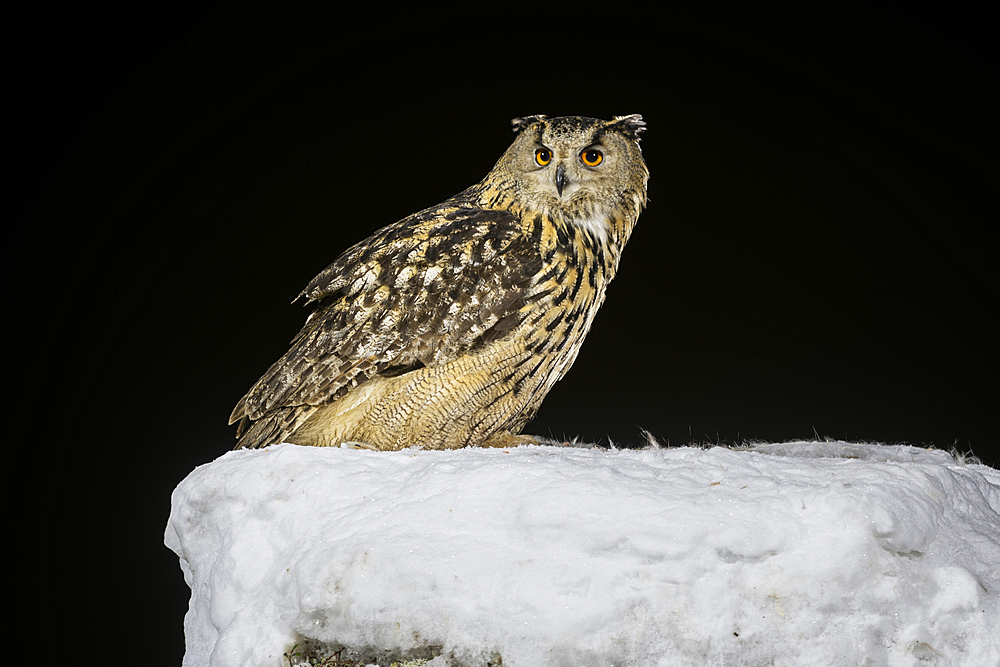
{"x":524,"y":121}
{"x":633,"y":124}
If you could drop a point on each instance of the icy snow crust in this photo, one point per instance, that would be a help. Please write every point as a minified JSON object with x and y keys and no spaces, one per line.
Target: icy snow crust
{"x":794,"y":554}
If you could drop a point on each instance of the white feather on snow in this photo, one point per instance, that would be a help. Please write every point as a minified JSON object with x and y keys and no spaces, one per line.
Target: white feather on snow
{"x":794,"y":554}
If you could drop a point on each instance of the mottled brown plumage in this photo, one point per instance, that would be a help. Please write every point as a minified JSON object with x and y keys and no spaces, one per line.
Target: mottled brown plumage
{"x":449,"y":327}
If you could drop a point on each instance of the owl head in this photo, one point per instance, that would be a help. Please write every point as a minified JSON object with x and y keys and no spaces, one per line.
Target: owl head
{"x":576,"y":165}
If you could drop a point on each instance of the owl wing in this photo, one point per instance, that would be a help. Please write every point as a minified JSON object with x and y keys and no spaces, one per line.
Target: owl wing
{"x":417,"y":293}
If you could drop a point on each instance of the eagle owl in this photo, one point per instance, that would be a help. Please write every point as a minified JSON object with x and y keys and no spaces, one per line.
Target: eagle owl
{"x":449,"y":327}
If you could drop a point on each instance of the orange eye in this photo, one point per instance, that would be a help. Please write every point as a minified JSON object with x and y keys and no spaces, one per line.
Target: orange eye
{"x":543,"y":156}
{"x":592,"y":157}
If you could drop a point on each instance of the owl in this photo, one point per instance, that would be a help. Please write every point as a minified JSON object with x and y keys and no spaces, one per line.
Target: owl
{"x":449,"y":327}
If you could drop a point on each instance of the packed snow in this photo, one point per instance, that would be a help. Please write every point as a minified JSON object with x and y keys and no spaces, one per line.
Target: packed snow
{"x":808,"y":553}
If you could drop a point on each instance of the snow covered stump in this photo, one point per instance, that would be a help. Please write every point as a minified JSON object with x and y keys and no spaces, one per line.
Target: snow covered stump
{"x":794,"y":554}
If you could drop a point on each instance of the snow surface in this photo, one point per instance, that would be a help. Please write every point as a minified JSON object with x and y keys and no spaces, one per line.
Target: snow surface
{"x":809,"y":553}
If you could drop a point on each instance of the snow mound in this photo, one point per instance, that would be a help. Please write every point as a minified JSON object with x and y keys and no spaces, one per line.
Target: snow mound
{"x":808,"y":553}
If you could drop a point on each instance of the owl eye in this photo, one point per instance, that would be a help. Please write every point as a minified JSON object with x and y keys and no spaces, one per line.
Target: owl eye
{"x":592,"y":157}
{"x":543,"y":156}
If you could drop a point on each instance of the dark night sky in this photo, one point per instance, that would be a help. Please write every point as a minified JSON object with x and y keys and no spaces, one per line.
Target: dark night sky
{"x":814,"y":257}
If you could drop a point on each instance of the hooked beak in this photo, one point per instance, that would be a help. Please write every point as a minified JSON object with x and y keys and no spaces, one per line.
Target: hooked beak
{"x":560,"y":179}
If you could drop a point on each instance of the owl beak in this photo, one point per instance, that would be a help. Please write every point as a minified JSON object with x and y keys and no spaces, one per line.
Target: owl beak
{"x":560,"y":179}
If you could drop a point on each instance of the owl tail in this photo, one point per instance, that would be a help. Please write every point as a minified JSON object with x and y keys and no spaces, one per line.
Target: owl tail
{"x":272,"y":428}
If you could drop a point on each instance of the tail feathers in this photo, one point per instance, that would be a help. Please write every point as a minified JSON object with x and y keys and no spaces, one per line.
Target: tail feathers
{"x":271,"y":428}
{"x":239,"y":415}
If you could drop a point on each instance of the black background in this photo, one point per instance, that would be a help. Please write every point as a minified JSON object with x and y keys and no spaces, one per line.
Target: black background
{"x":815,"y":258}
